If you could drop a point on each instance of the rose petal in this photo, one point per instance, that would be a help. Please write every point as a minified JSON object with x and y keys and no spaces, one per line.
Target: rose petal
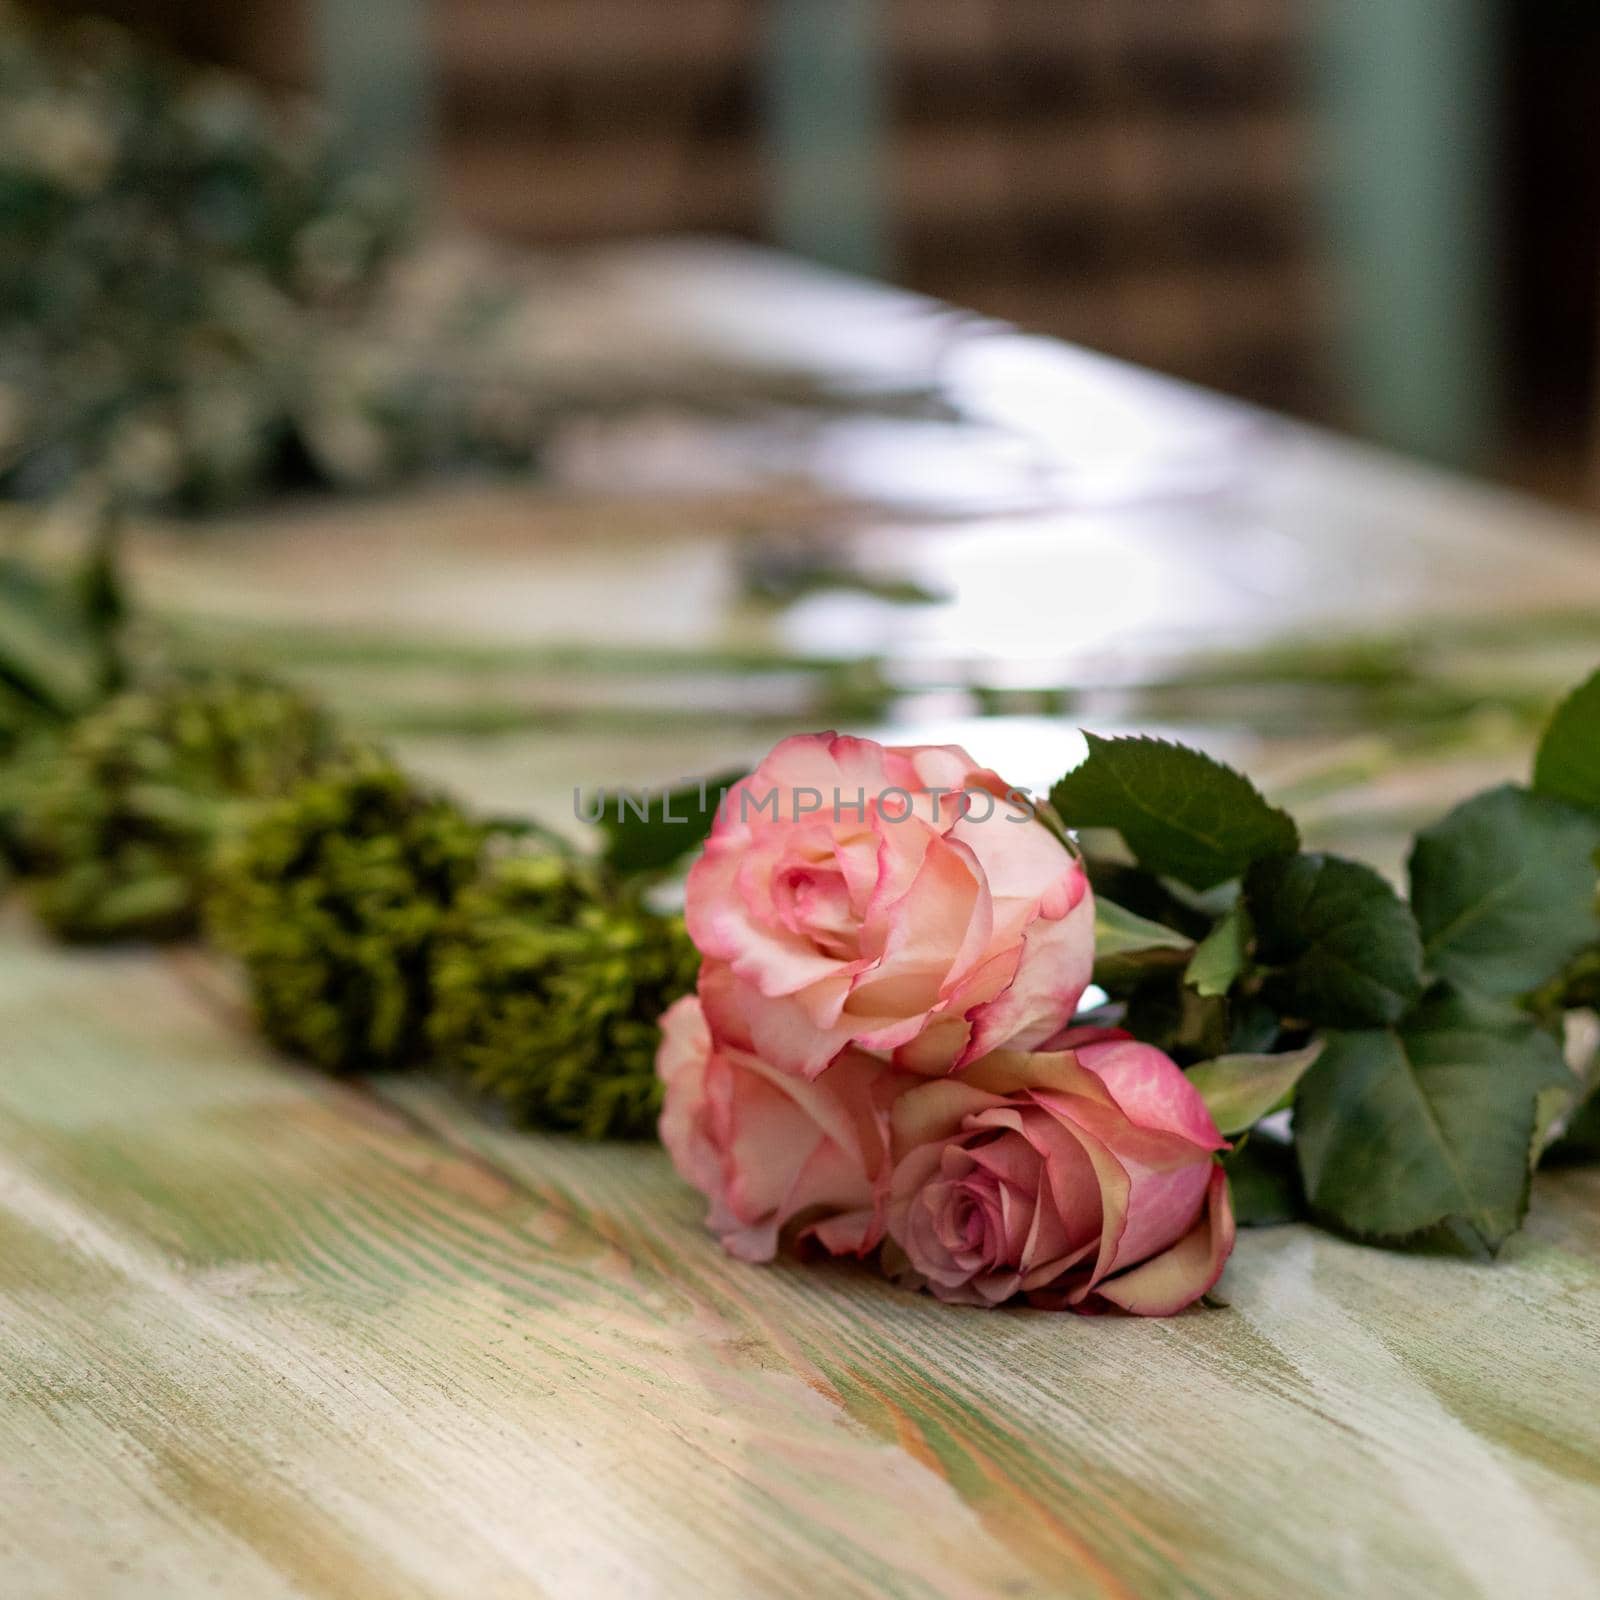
{"x":948,"y":893}
{"x":774,"y":959}
{"x":1009,"y":1072}
{"x":767,"y":1148}
{"x":1164,"y":1173}
{"x":782,"y":1032}
{"x":1179,"y":1276}
{"x":1153,"y":1090}
{"x":1080,"y":1037}
{"x":933,"y":1111}
{"x":820,"y":761}
{"x":851,"y":1233}
{"x":1055,"y":967}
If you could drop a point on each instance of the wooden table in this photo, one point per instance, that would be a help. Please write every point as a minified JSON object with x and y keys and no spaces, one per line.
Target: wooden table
{"x":262,"y":1334}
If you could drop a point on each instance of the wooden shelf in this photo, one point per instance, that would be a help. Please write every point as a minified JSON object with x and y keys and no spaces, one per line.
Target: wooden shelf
{"x":561,"y":194}
{"x":607,"y":38}
{"x":1139,"y":165}
{"x":1136,"y":177}
{"x":1144,"y":171}
{"x":502,"y":39}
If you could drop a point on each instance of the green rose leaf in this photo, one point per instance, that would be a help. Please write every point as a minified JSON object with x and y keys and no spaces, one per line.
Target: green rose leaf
{"x":1222,"y":956}
{"x":1182,"y":814}
{"x":1568,"y":764}
{"x":1504,"y":890}
{"x":1126,"y":945}
{"x":673,"y":823}
{"x":1264,"y":1183}
{"x":1240,"y":1090}
{"x":1344,"y":945}
{"x":1551,"y":1111}
{"x":1400,"y":1130}
{"x":1254,"y":1028}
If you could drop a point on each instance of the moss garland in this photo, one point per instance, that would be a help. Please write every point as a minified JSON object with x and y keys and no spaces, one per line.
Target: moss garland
{"x":333,"y":900}
{"x":375,"y":921}
{"x":546,"y":991}
{"x":117,"y":826}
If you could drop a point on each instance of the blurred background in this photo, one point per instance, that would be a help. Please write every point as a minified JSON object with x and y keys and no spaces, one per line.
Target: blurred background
{"x":1383,"y":214}
{"x":688,"y":353}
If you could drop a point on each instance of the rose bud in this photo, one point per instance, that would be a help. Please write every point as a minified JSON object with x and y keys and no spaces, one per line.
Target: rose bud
{"x":902,"y":900}
{"x":1079,"y":1179}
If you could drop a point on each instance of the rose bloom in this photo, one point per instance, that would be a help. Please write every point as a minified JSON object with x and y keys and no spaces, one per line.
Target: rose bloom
{"x":772,"y":1151}
{"x":1081,"y":1177}
{"x":902,"y":900}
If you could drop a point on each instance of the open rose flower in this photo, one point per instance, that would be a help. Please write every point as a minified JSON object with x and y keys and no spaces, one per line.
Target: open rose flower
{"x":1081,"y":1177}
{"x":769,"y":1149}
{"x":902,"y":900}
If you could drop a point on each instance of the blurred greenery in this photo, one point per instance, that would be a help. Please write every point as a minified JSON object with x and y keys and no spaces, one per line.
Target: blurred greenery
{"x":120,"y":824}
{"x":57,"y":642}
{"x":193,"y":290}
{"x":62,"y":651}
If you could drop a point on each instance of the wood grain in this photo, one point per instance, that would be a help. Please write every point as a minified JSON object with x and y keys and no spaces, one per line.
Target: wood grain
{"x":265,"y":1334}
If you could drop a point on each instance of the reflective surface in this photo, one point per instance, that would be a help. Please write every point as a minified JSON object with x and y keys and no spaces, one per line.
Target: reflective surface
{"x":945,"y":530}
{"x":274,"y":1334}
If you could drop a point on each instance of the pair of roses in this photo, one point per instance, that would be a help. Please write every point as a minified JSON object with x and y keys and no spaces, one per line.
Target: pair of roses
{"x":880,"y":1052}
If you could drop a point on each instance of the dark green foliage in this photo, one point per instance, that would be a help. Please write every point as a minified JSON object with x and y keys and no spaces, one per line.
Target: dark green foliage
{"x":61,"y":648}
{"x":547,"y":987}
{"x":49,"y":653}
{"x":333,"y":900}
{"x":1504,"y":890}
{"x":1167,"y":1012}
{"x":201,"y":300}
{"x":1223,"y":956}
{"x":1342,"y":944}
{"x":119,"y":823}
{"x":1581,"y":1141}
{"x":1568,"y":764}
{"x":1568,"y":768}
{"x":1239,"y":1090}
{"x":61,"y":654}
{"x":1265,"y":1182}
{"x":1401,"y":1130}
{"x":1581,"y":982}
{"x":1182,"y":814}
{"x":673,"y":824}
{"x":1149,"y":898}
{"x":175,"y":256}
{"x":1128,"y":948}
{"x":26,"y":750}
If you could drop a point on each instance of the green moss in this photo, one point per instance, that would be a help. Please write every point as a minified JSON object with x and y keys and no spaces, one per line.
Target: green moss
{"x":118,"y":825}
{"x":333,"y":901}
{"x":547,"y":991}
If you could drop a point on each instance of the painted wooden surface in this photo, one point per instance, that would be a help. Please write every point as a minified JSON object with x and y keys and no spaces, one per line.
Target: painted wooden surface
{"x":266,"y":1335}
{"x":262,"y":1334}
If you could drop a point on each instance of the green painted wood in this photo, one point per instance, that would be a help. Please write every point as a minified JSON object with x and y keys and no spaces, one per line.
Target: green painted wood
{"x":275,"y":1335}
{"x":262,"y":1334}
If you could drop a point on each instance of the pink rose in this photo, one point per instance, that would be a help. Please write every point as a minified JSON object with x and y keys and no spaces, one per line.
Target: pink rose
{"x":768,"y":1149}
{"x":1081,"y":1177}
{"x":899,"y":899}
